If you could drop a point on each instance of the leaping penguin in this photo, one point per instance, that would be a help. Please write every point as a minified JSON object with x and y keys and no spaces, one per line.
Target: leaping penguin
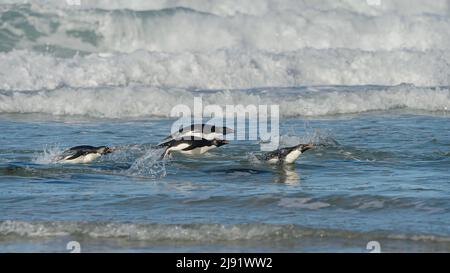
{"x":198,"y":132}
{"x":285,"y":155}
{"x":83,"y":154}
{"x":191,"y":146}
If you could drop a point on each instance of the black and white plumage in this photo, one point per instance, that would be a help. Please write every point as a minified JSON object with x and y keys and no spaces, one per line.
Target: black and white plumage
{"x":285,"y":155}
{"x":83,"y":154}
{"x":198,"y":132}
{"x":191,"y":146}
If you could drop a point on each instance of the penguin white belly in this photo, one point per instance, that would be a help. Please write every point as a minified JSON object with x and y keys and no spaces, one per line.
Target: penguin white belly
{"x":273,"y":160}
{"x":82,"y":159}
{"x":198,"y":135}
{"x":178,"y":147}
{"x":199,"y":150}
{"x":292,"y":156}
{"x":212,"y":136}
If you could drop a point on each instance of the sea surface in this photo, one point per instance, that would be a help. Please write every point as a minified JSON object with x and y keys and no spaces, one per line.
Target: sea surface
{"x":367,"y":82}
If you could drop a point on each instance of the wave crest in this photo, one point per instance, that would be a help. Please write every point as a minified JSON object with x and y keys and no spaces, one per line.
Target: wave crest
{"x":139,"y":101}
{"x":224,"y":69}
{"x":268,"y":25}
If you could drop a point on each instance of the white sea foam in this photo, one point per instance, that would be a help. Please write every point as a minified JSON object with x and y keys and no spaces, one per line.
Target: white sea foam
{"x":141,"y":101}
{"x":267,"y":24}
{"x":260,"y":7}
{"x":199,"y":233}
{"x":170,"y":47}
{"x":217,"y":44}
{"x":24,"y":70}
{"x":302,"y":203}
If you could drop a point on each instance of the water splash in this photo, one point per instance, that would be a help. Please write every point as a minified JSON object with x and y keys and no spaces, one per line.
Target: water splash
{"x":148,"y":165}
{"x":318,"y":137}
{"x":49,"y":155}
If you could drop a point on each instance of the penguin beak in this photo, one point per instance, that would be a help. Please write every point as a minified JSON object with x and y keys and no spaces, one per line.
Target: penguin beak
{"x":227,"y":130}
{"x":306,"y":147}
{"x":222,"y":142}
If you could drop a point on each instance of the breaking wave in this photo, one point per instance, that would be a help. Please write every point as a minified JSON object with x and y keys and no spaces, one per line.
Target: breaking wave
{"x":200,"y":26}
{"x":233,"y":69}
{"x":142,"y":101}
{"x":45,"y":44}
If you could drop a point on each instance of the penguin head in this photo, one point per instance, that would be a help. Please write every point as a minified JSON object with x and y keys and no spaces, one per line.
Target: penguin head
{"x":104,"y":150}
{"x":305,"y":147}
{"x":227,"y":130}
{"x":220,"y":130}
{"x":219,"y":142}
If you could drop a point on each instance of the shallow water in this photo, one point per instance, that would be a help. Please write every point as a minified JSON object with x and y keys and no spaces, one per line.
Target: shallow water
{"x":377,"y":176}
{"x":366,"y":81}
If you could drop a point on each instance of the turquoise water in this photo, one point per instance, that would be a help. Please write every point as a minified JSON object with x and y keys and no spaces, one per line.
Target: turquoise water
{"x":374,"y":176}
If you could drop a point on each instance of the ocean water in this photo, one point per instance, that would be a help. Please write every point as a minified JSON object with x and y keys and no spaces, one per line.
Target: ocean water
{"x":368,"y":82}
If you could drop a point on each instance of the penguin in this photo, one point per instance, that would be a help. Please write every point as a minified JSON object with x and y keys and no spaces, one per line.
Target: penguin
{"x":83,"y":154}
{"x":191,"y":146}
{"x":198,"y":132}
{"x":285,"y":155}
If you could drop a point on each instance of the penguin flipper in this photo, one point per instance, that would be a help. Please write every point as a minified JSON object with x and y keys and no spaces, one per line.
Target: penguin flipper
{"x":66,"y":154}
{"x":182,"y":135}
{"x":165,"y":141}
{"x":165,"y":154}
{"x":75,"y":155}
{"x":196,"y":144}
{"x":83,"y":147}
